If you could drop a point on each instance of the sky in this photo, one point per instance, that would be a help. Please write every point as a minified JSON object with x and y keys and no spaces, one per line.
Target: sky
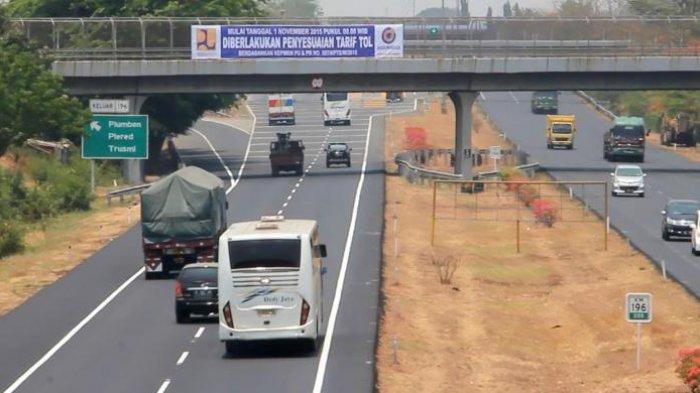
{"x":405,"y":7}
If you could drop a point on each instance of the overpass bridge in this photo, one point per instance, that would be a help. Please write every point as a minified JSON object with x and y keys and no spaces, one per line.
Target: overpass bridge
{"x":143,"y":56}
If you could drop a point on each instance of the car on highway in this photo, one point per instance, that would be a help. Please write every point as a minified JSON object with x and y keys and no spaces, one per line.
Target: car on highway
{"x":628,"y":180}
{"x":695,"y":235}
{"x":338,"y":154}
{"x":545,"y":102}
{"x":270,"y":285}
{"x":394,"y":97}
{"x":677,"y":218}
{"x":196,"y":291}
{"x":626,"y":139}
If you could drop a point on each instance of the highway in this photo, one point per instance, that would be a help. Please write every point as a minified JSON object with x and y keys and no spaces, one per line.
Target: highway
{"x":669,"y":176}
{"x":104,"y":328}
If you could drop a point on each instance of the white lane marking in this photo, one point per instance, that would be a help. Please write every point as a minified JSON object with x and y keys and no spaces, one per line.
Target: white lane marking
{"x":289,"y":197}
{"x":199,"y":332}
{"x":483,"y":96}
{"x":19,"y":381}
{"x":48,"y":355}
{"x":294,"y":190}
{"x":514,"y":97}
{"x":182,"y":358}
{"x":301,"y":179}
{"x":296,"y":185}
{"x":163,"y":386}
{"x":328,"y":338}
{"x":221,"y":160}
{"x":285,"y":204}
{"x":279,"y":212}
{"x":223,"y":123}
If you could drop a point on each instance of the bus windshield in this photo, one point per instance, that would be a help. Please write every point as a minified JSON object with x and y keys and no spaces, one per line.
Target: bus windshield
{"x":264,"y":253}
{"x":628,"y":131}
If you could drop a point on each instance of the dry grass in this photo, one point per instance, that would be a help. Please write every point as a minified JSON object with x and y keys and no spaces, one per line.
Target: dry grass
{"x":55,"y":250}
{"x":549,"y":319}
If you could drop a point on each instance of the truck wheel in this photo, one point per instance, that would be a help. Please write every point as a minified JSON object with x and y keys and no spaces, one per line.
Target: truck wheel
{"x":299,"y":170}
{"x":182,"y":316}
{"x":151,"y":275}
{"x":570,"y":147}
{"x":694,"y":251}
{"x":275,"y":171}
{"x":328,"y":164}
{"x":664,"y":235}
{"x":641,"y":159}
{"x":550,"y":146}
{"x":348,"y":163}
{"x":326,"y":123}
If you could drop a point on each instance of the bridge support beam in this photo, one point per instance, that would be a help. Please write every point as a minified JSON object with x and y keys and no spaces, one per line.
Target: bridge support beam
{"x":133,"y":170}
{"x":463,"y":101}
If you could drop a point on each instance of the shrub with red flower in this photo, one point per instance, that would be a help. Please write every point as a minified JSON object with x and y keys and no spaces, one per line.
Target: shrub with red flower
{"x":688,"y":368}
{"x":544,"y":212}
{"x":416,"y":138}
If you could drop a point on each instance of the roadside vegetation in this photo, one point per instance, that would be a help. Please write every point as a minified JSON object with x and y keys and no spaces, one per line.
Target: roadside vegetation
{"x":473,"y":314}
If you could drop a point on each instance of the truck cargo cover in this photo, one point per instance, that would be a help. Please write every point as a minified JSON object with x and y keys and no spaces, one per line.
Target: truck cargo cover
{"x":186,"y":205}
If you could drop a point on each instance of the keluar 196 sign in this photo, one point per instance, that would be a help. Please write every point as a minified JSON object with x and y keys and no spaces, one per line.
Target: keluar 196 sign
{"x":300,"y":41}
{"x":638,"y":307}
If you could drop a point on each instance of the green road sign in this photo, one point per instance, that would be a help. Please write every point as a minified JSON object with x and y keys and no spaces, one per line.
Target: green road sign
{"x":116,"y":137}
{"x":638,"y":307}
{"x":433,"y":30}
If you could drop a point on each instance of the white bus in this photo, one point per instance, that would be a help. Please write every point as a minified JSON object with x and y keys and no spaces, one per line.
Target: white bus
{"x":269,"y":282}
{"x":336,"y":108}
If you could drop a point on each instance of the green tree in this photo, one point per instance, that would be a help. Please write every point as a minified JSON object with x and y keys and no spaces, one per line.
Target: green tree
{"x":33,"y":101}
{"x":294,"y":9}
{"x":507,"y":12}
{"x":168,"y":113}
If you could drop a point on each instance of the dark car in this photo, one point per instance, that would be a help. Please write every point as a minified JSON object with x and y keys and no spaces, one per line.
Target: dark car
{"x":545,"y":102}
{"x":338,"y":153}
{"x":196,"y":291}
{"x":677,"y":218}
{"x":394,"y":96}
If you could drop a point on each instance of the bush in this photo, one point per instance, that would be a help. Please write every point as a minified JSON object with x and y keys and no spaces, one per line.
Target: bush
{"x":688,"y":368}
{"x":11,"y":238}
{"x":416,"y":138}
{"x":527,"y":194}
{"x":544,"y":212}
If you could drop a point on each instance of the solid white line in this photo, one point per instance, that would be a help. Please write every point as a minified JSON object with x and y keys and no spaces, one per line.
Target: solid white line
{"x":328,"y":339}
{"x":72,"y":333}
{"x":48,"y":355}
{"x":182,"y":358}
{"x":221,"y":160}
{"x":199,"y":332}
{"x":163,"y":386}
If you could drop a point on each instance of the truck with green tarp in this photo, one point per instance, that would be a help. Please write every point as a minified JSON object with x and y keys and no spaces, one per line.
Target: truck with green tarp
{"x":182,"y":216}
{"x":626,"y":139}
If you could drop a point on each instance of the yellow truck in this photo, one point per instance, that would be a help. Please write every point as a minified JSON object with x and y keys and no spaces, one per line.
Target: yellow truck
{"x":560,"y":131}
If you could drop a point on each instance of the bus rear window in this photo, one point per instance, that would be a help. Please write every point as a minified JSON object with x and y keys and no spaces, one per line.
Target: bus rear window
{"x":265,"y":253}
{"x":336,"y":96}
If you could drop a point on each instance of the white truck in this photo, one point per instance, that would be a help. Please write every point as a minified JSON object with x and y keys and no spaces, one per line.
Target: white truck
{"x":336,"y":108}
{"x":280,"y":109}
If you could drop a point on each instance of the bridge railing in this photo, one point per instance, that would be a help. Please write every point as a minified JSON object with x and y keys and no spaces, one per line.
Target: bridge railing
{"x":169,"y":38}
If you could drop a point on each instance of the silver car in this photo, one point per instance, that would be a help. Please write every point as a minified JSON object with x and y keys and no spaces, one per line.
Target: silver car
{"x":628,"y":180}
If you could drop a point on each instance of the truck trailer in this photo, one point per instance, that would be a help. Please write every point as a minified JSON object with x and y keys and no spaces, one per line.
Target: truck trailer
{"x":182,"y":216}
{"x":280,"y":109}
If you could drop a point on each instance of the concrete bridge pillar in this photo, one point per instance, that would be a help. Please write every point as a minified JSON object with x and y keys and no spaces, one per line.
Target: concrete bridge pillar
{"x":463,"y":101}
{"x":133,"y":170}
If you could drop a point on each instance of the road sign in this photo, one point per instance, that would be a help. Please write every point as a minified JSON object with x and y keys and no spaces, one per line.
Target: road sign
{"x":638,"y":307}
{"x":109,"y":106}
{"x":116,"y":137}
{"x":495,"y":152}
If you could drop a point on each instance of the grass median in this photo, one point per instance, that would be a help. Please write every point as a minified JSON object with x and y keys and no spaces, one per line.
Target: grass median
{"x":550,"y":318}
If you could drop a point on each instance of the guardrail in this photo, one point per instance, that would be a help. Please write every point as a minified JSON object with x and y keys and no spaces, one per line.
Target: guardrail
{"x":169,"y":38}
{"x":125,"y":191}
{"x":600,"y":108}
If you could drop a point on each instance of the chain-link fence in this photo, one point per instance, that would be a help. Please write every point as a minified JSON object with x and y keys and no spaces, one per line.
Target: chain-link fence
{"x":169,"y":38}
{"x":520,"y":202}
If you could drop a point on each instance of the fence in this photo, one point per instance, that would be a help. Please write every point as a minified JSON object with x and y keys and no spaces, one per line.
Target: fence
{"x":169,"y":38}
{"x":526,"y":201}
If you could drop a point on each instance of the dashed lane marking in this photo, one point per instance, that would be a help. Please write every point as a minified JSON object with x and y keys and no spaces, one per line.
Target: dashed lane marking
{"x":182,"y":358}
{"x":163,"y":386}
{"x":199,"y":332}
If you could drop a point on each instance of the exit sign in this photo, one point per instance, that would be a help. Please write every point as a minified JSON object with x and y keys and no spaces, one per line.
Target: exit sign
{"x":116,"y":137}
{"x":638,"y":307}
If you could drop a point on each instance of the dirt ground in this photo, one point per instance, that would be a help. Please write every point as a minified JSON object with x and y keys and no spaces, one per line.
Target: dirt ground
{"x":65,"y":242}
{"x":548,"y":319}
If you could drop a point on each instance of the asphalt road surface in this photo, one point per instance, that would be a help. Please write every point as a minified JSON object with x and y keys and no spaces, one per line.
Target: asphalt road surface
{"x":670,"y":176}
{"x":103,"y":328}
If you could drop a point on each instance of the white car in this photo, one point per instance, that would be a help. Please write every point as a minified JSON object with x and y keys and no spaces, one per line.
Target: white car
{"x":628,"y":180}
{"x":695,"y":236}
